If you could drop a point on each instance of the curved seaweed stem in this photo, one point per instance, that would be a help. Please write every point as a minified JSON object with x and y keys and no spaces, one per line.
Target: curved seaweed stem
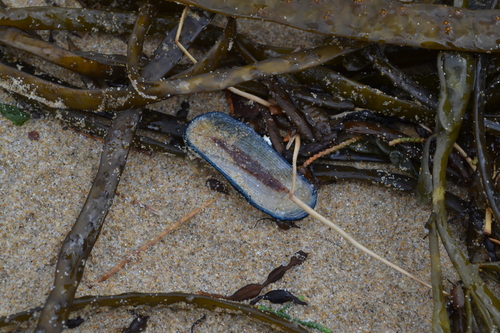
{"x":380,"y":21}
{"x":112,"y":99}
{"x":15,"y":38}
{"x":440,"y":320}
{"x":136,"y":42}
{"x":152,"y":299}
{"x":82,"y":237}
{"x":363,"y":95}
{"x":75,"y":19}
{"x":484,"y":167}
{"x":456,"y":73}
{"x":375,"y":54}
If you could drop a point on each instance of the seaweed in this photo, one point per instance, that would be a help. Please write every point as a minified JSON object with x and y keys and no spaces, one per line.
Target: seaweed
{"x":139,"y":324}
{"x":380,"y":21}
{"x":346,"y":108}
{"x":153,"y":299}
{"x":457,"y":76}
{"x":16,"y":115}
{"x":80,"y":240}
{"x":253,"y":290}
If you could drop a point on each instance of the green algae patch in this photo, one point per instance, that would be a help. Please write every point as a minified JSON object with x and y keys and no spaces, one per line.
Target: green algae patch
{"x":17,"y":116}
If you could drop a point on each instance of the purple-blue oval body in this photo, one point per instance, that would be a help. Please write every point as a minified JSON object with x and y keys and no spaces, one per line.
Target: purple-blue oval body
{"x":253,"y":167}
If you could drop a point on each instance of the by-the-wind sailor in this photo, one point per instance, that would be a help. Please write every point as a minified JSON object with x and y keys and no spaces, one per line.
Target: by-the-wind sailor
{"x":250,"y":164}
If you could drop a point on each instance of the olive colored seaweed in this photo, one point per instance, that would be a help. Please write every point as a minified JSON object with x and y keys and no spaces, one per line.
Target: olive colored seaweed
{"x":380,"y":21}
{"x":457,"y":75}
{"x":14,"y":37}
{"x":154,"y":299}
{"x":121,"y":98}
{"x":76,"y":19}
{"x":81,"y":239}
{"x":363,"y":95}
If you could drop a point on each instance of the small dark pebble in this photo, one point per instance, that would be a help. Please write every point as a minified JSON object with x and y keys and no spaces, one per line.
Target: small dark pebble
{"x":34,"y":135}
{"x":279,"y":296}
{"x":139,"y":324}
{"x":74,"y":322}
{"x":216,"y":185}
{"x":283,"y":225}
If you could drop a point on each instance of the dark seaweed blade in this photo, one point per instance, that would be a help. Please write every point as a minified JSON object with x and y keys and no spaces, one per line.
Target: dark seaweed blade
{"x":167,"y":54}
{"x":376,"y":55}
{"x":98,"y":127}
{"x":81,"y":239}
{"x":380,"y":21}
{"x":456,"y":74}
{"x":484,"y":167}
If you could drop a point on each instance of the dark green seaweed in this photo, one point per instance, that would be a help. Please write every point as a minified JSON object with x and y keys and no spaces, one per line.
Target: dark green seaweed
{"x":154,"y":299}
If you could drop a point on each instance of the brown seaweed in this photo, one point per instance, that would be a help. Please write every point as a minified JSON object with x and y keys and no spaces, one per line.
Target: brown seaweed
{"x":380,"y":21}
{"x":332,"y":85}
{"x":80,"y":240}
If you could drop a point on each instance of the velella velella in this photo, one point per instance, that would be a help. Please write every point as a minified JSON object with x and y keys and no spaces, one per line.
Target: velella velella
{"x":256,"y":170}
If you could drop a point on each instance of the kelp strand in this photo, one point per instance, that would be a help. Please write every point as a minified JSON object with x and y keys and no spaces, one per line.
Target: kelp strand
{"x":76,"y":19}
{"x":456,"y":75}
{"x":440,"y":320}
{"x":376,"y":55}
{"x":120,"y":98}
{"x":380,"y":21}
{"x":154,"y":299}
{"x":80,"y":240}
{"x":136,"y":42}
{"x":362,"y":95}
{"x":484,"y":167}
{"x":13,"y":37}
{"x":96,"y":127}
{"x":217,"y":53}
{"x":167,"y":54}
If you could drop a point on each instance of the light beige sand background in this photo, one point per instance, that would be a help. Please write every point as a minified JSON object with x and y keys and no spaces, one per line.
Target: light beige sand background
{"x":44,"y":184}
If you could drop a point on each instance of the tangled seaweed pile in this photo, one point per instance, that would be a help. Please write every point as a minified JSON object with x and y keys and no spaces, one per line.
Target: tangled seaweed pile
{"x":385,"y":74}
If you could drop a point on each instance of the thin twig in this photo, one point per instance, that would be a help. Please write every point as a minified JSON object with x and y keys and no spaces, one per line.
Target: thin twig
{"x":294,"y":161}
{"x":330,"y":150}
{"x":354,"y":242}
{"x":332,"y":225}
{"x":129,"y":257}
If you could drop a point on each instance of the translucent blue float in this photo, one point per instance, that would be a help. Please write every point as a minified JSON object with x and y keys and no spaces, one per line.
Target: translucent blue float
{"x":253,"y":167}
